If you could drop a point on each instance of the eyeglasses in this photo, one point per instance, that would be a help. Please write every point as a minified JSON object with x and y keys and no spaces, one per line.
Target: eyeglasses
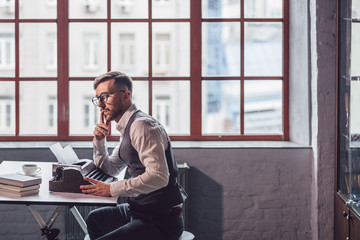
{"x":103,"y":97}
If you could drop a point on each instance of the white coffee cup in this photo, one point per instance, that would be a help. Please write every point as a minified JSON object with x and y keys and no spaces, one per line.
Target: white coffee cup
{"x":30,"y":169}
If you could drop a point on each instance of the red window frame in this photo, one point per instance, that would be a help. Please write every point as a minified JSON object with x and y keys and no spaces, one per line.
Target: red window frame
{"x":195,"y":78}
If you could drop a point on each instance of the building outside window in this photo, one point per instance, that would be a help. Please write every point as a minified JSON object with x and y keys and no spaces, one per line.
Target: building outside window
{"x":127,"y":51}
{"x":161,"y":111}
{"x":51,"y":51}
{"x":162,"y":1}
{"x":162,"y":53}
{"x":90,"y":116}
{"x":51,"y":3}
{"x":91,"y":48}
{"x":7,"y":51}
{"x":7,"y":115}
{"x":52,"y":114}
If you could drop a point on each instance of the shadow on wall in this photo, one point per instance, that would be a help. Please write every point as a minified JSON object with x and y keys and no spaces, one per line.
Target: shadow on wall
{"x":205,"y":206}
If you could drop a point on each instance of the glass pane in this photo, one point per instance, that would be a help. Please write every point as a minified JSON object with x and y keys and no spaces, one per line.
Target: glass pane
{"x":355,"y":9}
{"x":344,"y":127}
{"x":83,"y":115}
{"x":171,"y":105}
{"x":7,"y":50}
{"x":171,"y":49}
{"x":170,"y":8}
{"x":7,"y":9}
{"x":220,"y":9}
{"x":88,"y":44}
{"x":354,"y":108}
{"x":130,"y":48}
{"x":141,"y":99}
{"x":221,"y":49}
{"x":38,"y":108}
{"x":263,"y":8}
{"x":38,"y":9}
{"x":88,"y":9}
{"x":355,"y":49}
{"x":220,"y":107}
{"x":7,"y":108}
{"x":354,"y":168}
{"x":263,"y":49}
{"x":129,"y":9}
{"x":263,"y":107}
{"x":141,"y":95}
{"x":38,"y":50}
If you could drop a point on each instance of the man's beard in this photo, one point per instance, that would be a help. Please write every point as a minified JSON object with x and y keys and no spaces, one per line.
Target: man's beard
{"x":112,"y":115}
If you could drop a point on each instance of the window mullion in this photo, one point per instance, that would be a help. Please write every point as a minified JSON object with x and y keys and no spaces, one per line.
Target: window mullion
{"x":109,"y":35}
{"x":63,"y":69}
{"x":195,"y":69}
{"x":286,"y":70}
{"x":150,"y":57}
{"x":17,"y":70}
{"x":242,"y":66}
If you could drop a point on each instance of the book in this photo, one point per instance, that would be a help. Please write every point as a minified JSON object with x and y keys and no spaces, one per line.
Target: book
{"x":18,"y":189}
{"x":10,"y":193}
{"x":19,"y":180}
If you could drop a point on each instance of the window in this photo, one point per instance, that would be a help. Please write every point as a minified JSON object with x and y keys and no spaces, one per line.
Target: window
{"x":52,"y":113}
{"x":6,"y":115}
{"x":162,"y":54}
{"x":162,"y":2}
{"x":127,"y":51}
{"x":125,"y":6}
{"x":208,"y":70}
{"x":7,"y":51}
{"x":91,"y":48}
{"x":90,"y":116}
{"x":162,"y":110}
{"x":83,"y":114}
{"x":51,"y":3}
{"x":8,"y":6}
{"x":91,"y":6}
{"x":7,"y":108}
{"x":51,"y":51}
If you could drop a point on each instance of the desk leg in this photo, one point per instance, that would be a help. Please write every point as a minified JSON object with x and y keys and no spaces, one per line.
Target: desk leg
{"x":37,"y":216}
{"x":79,"y":218}
{"x":54,"y":216}
{"x":46,"y":228}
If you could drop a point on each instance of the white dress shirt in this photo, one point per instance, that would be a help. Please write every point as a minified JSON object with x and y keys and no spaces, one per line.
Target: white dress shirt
{"x":150,"y":141}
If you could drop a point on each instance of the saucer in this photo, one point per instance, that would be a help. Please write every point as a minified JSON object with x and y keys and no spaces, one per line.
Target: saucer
{"x":33,"y":175}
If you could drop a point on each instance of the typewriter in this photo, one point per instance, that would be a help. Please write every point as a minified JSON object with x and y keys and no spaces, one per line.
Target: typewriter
{"x":69,"y":177}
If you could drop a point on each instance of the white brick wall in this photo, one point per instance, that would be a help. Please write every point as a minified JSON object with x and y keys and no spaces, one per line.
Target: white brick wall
{"x":234,"y":194}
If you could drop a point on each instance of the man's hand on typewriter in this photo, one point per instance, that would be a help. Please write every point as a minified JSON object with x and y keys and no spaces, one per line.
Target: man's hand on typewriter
{"x":102,"y":129}
{"x":98,"y":188}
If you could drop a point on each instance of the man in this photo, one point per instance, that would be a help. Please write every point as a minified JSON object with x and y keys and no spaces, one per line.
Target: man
{"x":155,"y":199}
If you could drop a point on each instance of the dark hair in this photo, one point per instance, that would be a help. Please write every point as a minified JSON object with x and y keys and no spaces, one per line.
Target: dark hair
{"x":119,"y":77}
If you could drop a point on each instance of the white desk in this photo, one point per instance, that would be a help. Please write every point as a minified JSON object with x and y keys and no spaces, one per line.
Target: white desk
{"x":45,"y":197}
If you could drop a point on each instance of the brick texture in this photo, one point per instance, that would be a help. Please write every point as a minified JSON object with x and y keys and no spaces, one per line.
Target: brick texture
{"x":234,"y":194}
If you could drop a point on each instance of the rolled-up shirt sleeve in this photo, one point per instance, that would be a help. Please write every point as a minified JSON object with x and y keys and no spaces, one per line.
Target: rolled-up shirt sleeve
{"x":111,"y":164}
{"x":150,"y":141}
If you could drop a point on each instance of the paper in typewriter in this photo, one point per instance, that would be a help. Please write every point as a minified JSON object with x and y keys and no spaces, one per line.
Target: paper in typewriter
{"x":64,"y":155}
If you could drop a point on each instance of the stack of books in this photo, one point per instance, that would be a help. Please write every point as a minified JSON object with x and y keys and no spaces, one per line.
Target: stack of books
{"x":15,"y":185}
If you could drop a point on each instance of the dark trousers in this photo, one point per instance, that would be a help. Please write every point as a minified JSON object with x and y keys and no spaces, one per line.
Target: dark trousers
{"x":121,"y":224}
